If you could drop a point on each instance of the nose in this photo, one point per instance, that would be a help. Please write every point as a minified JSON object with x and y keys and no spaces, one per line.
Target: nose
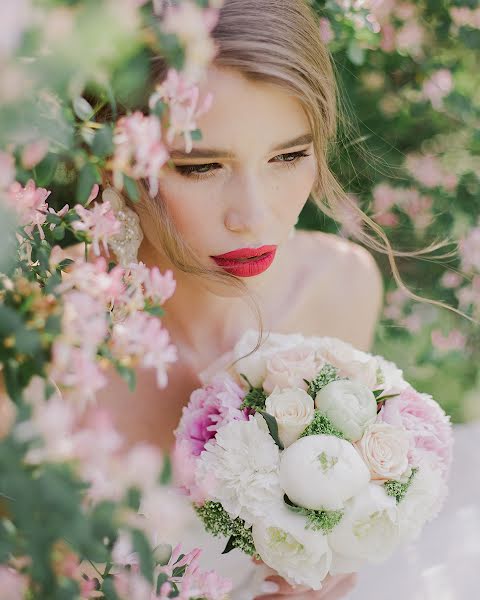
{"x":247,"y":209}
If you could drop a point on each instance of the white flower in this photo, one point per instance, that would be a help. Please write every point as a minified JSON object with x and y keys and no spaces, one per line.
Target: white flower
{"x":254,"y":367}
{"x":384,"y":449}
{"x":349,"y":405}
{"x":393,"y":380}
{"x":322,"y":472}
{"x":368,"y":530}
{"x":243,"y":462}
{"x":423,"y":500}
{"x":290,"y":368}
{"x":293,"y":409}
{"x":298,"y":554}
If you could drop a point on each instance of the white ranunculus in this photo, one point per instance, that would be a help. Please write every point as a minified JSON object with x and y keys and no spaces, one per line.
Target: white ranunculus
{"x":298,"y":554}
{"x":384,"y":449}
{"x":369,"y":529}
{"x":349,"y":405}
{"x":422,"y":502}
{"x":254,"y":367}
{"x":321,"y":472}
{"x":242,"y":462}
{"x":293,"y":409}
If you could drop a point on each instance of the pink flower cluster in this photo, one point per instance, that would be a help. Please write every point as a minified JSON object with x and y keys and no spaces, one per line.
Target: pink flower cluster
{"x":437,"y":86}
{"x":428,"y":170}
{"x":427,"y":425}
{"x":139,"y":149}
{"x":414,"y":204}
{"x":462,"y":16}
{"x":469,"y":248}
{"x":29,"y":203}
{"x":99,"y":223}
{"x":182,"y":98}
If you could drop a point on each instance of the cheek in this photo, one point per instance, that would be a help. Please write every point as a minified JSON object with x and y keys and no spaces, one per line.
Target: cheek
{"x":294,"y":187}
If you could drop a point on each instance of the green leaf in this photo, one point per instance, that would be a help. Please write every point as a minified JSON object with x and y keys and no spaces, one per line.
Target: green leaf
{"x":133,"y":498}
{"x":166,"y":474}
{"x":43,"y":172}
{"x":59,"y":232}
{"x":82,"y":108}
{"x":131,"y":188}
{"x":196,"y":135}
{"x":128,"y":375}
{"x":272,"y":427}
{"x":142,"y":547}
{"x":89,"y":175}
{"x":155,"y":310}
{"x":108,"y":588}
{"x":103,"y":141}
{"x":230,"y":545}
{"x":161,"y":579}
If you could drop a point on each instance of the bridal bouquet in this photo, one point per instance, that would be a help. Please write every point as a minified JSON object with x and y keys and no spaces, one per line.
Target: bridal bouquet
{"x":312,"y":455}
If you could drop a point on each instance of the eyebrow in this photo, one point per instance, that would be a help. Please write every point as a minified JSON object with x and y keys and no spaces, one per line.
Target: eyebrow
{"x":300,"y":140}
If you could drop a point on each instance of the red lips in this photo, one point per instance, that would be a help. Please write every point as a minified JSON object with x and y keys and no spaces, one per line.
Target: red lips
{"x":246,"y":262}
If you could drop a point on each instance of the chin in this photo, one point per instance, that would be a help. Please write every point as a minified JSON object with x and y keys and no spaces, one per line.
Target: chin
{"x":230,"y":290}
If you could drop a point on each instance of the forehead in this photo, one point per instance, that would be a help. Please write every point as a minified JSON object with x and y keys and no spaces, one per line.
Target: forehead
{"x":247,"y":115}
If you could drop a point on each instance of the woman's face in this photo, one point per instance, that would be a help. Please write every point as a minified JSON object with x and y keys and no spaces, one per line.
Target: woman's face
{"x":245,"y":182}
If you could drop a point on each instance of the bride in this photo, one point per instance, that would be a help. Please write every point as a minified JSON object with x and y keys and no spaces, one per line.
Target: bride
{"x":224,"y":223}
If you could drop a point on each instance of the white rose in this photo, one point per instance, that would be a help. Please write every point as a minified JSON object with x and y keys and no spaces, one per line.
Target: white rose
{"x":321,"y":472}
{"x":298,"y":554}
{"x":254,"y":366}
{"x":293,"y":409}
{"x":352,"y":363}
{"x":384,"y":449}
{"x":422,"y":502}
{"x":369,"y":528}
{"x":349,"y":405}
{"x":289,"y":369}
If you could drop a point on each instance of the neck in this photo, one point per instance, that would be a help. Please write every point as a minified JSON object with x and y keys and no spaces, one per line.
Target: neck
{"x":204,"y":324}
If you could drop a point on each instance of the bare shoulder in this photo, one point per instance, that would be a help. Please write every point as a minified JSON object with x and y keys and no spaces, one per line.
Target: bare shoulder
{"x":346,"y":283}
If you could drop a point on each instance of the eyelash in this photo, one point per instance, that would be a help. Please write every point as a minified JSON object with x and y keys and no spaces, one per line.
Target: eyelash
{"x":189,"y":170}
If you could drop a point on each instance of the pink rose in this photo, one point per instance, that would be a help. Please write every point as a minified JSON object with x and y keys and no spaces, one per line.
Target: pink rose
{"x":384,"y":448}
{"x":427,"y":424}
{"x":289,"y":368}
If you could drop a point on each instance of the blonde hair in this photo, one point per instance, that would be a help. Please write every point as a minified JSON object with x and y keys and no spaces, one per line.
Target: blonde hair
{"x":278,"y":41}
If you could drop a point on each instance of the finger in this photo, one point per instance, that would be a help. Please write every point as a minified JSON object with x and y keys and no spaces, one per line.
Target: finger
{"x":286,"y":588}
{"x":342,"y":587}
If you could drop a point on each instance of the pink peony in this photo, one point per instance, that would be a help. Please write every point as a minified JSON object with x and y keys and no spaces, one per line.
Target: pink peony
{"x":427,"y":424}
{"x":209,"y":408}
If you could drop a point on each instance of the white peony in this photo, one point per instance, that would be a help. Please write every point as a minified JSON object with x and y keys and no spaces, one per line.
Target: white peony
{"x":321,"y":472}
{"x":243,"y":462}
{"x":298,"y":554}
{"x":422,"y":502}
{"x":393,"y":380}
{"x":349,"y":405}
{"x":254,"y":366}
{"x":369,"y":529}
{"x":293,"y":409}
{"x":384,"y":448}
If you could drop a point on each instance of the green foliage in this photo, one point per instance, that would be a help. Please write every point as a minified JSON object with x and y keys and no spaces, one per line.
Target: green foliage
{"x":317,"y":520}
{"x":321,"y":425}
{"x":397,"y":489}
{"x":219,"y":523}
{"x":327,"y":374}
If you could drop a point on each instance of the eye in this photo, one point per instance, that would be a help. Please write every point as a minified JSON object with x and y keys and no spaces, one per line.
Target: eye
{"x":207,"y":170}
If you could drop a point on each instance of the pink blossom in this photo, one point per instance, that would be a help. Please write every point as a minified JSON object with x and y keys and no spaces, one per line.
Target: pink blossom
{"x":350,"y":219}
{"x":410,"y":38}
{"x":463,"y":16}
{"x":469,"y":295}
{"x":199,"y":584}
{"x":139,"y":149}
{"x":427,"y":424}
{"x":326,"y":31}
{"x":15,"y":17}
{"x":418,"y":208}
{"x":412,"y":322}
{"x":455,"y":340}
{"x":84,"y":320}
{"x":142,"y":338}
{"x":29,"y":203}
{"x":150,"y":283}
{"x":182,"y":98}
{"x":388,"y":38}
{"x":94,"y":279}
{"x":396,"y":301}
{"x":192,"y":25}
{"x":184,"y":463}
{"x":450,"y":279}
{"x":439,"y":85}
{"x":384,"y":198}
{"x":210,"y":408}
{"x":428,"y":170}
{"x":34,"y":152}
{"x":99,"y":223}
{"x":13,"y":586}
{"x":469,"y":248}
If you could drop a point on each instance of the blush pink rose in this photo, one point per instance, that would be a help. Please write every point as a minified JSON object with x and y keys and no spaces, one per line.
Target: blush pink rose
{"x":426,"y":422}
{"x":289,"y":368}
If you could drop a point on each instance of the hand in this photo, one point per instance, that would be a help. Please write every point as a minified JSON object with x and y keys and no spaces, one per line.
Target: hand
{"x":333,"y":588}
